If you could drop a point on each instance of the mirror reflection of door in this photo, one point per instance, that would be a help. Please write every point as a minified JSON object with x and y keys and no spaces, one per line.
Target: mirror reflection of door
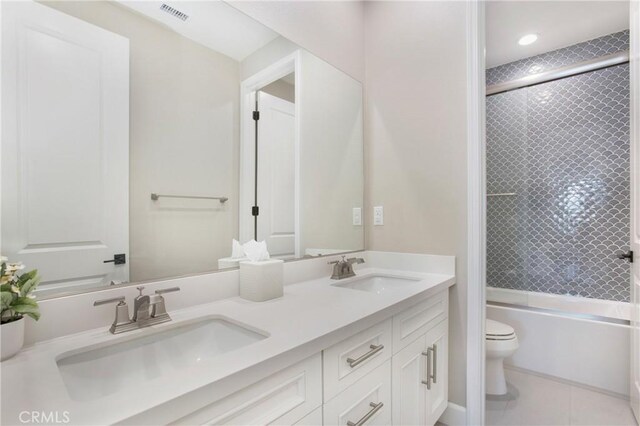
{"x":65,"y":147}
{"x":276,"y":167}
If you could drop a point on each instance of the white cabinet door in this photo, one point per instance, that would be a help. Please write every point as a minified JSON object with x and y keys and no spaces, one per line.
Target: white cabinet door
{"x":408,"y":371}
{"x":276,"y":175}
{"x":65,"y":146}
{"x":437,"y":340}
{"x":419,"y":375}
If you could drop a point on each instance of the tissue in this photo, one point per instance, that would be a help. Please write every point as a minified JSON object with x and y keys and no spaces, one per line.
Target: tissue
{"x":237,"y":251}
{"x":237,"y":256}
{"x":256,"y":251}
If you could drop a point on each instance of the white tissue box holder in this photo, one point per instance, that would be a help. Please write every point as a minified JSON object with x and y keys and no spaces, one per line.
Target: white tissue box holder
{"x":261,"y":280}
{"x":230,"y":262}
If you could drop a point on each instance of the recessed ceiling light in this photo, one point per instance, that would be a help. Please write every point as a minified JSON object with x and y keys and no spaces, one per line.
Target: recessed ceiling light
{"x":527,"y":39}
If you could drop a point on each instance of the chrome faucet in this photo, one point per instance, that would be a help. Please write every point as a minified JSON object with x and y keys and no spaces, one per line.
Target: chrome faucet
{"x":344,"y":268}
{"x":147,"y":310}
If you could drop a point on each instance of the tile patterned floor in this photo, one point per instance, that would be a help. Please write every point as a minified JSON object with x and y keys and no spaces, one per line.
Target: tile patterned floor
{"x":537,"y":401}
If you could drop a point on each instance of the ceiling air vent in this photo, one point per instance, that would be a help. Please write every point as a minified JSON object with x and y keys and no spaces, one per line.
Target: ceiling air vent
{"x":174,"y":12}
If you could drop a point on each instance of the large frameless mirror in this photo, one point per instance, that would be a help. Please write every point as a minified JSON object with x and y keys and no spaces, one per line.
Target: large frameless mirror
{"x":139,"y":139}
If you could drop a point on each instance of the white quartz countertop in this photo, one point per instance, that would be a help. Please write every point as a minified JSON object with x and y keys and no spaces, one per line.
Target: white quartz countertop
{"x":311,"y":316}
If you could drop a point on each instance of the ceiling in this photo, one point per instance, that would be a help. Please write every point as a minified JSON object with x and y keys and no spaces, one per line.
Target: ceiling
{"x":211,"y":23}
{"x":557,"y":23}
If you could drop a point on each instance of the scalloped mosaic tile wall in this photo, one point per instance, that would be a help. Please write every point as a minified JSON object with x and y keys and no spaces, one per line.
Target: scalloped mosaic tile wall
{"x":591,"y":49}
{"x":563,"y":148}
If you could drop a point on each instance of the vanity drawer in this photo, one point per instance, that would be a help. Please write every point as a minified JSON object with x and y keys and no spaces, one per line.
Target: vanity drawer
{"x":418,"y":319}
{"x":368,"y":400}
{"x":314,"y":418}
{"x":351,"y":359}
{"x":282,"y":398}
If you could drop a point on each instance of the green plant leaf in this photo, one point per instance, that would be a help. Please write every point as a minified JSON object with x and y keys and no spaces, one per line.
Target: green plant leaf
{"x":25,"y":301}
{"x":5,"y":287}
{"x":6,"y":298}
{"x":26,"y":277}
{"x":29,"y":286}
{"x":35,"y":315}
{"x":26,"y":306}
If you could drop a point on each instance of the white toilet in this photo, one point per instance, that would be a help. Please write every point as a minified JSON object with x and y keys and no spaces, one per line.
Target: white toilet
{"x":501,"y":342}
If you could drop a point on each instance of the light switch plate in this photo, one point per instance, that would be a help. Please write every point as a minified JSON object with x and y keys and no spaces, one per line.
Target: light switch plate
{"x":357,"y":216}
{"x":378,"y":216}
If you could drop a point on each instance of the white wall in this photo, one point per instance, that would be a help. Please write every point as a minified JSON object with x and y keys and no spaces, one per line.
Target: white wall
{"x":265,"y":56}
{"x":333,"y":30}
{"x":415,"y":120}
{"x":331,"y":157}
{"x":183,"y":140}
{"x":281,"y":89}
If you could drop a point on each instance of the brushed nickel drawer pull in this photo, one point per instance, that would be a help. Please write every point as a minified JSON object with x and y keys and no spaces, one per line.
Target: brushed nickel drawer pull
{"x":435,"y":363}
{"x":374,"y":350}
{"x":428,"y":353}
{"x":374,"y":409}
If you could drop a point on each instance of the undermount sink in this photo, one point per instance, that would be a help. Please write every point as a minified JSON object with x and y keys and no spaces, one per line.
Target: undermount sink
{"x":104,"y":370}
{"x":377,"y":283}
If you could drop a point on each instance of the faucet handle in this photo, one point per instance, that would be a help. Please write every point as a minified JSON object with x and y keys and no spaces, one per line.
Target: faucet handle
{"x":158,"y":308}
{"x":119,"y":299}
{"x":167,"y":290}
{"x":335,"y":262}
{"x":122,"y":313}
{"x":140,"y":289}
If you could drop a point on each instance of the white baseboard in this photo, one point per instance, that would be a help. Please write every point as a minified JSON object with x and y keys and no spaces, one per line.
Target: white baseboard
{"x":454,"y":415}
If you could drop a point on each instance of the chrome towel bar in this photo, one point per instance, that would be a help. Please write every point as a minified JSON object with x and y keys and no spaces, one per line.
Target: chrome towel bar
{"x":504,"y":194}
{"x":155,"y":197}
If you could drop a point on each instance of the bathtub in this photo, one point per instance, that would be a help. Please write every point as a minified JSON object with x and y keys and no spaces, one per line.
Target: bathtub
{"x":585,"y":341}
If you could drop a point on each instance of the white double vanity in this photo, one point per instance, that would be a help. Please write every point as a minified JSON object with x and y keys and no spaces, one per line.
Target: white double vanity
{"x":155,"y":135}
{"x":370,"y":349}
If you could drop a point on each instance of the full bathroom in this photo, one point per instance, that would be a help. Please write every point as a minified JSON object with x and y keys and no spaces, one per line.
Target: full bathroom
{"x":319,"y":212}
{"x":558,"y":213}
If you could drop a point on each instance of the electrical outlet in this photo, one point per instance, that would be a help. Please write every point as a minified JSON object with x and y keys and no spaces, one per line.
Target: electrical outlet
{"x":357,"y":216}
{"x":378,"y":216}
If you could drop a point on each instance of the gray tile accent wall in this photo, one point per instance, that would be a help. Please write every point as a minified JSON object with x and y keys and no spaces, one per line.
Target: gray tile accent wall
{"x":563,"y":148}
{"x":569,"y":55}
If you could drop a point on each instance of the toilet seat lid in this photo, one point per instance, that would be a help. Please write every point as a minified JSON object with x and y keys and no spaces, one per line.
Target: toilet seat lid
{"x":498,"y":329}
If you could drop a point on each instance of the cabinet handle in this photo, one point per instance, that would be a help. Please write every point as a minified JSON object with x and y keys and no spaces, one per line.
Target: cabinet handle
{"x":374,"y":350}
{"x":435,"y":363}
{"x":374,"y":409}
{"x":427,"y":353}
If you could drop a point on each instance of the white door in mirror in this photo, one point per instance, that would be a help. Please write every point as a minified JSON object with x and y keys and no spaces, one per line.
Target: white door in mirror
{"x":65,"y":157}
{"x":276,"y":174}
